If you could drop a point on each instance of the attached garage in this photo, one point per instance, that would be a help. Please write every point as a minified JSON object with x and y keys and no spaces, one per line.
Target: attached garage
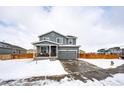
{"x":67,"y":54}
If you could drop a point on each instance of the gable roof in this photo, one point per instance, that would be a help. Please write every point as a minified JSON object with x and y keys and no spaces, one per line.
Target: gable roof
{"x":6,"y":44}
{"x":11,"y":46}
{"x":51,"y":32}
{"x":45,"y":41}
{"x":68,"y":36}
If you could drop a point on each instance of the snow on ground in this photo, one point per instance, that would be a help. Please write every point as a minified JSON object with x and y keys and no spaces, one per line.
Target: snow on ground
{"x":24,"y":68}
{"x":116,"y":80}
{"x":105,"y":63}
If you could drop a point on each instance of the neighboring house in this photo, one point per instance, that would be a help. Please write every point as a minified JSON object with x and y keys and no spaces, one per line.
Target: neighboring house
{"x":6,"y":48}
{"x":101,"y":51}
{"x":56,"y":45}
{"x":113,"y":50}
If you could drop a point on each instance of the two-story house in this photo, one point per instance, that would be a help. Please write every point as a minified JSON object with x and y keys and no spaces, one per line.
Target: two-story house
{"x":56,"y":45}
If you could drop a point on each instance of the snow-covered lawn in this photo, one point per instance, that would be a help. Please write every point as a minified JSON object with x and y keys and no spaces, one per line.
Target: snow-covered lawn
{"x":104,"y":63}
{"x":24,"y":68}
{"x":116,"y":80}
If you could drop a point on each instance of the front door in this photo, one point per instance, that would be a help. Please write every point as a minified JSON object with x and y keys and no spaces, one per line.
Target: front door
{"x":53,"y":50}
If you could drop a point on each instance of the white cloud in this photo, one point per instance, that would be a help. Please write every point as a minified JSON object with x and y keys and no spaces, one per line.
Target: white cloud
{"x":95,"y":27}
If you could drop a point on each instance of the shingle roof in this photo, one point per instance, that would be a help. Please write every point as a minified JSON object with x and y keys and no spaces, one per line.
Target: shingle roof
{"x":12,"y":46}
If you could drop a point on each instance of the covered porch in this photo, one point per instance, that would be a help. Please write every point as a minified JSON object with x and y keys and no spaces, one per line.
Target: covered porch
{"x":46,"y":49}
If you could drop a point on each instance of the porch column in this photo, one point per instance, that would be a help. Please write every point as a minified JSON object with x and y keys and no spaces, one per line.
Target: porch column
{"x":33,"y":51}
{"x":57,"y":51}
{"x":49,"y":50}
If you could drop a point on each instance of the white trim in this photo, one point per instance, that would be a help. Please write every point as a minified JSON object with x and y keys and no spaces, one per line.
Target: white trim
{"x":67,"y":50}
{"x":45,"y":45}
{"x":57,"y":51}
{"x":69,"y":46}
{"x":71,"y":50}
{"x":72,"y":37}
{"x":61,"y":39}
{"x":34,"y":52}
{"x":49,"y":50}
{"x":45,"y":41}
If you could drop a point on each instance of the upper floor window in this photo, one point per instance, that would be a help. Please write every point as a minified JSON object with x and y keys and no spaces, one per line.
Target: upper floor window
{"x":59,"y":40}
{"x":70,"y":41}
{"x":45,"y":38}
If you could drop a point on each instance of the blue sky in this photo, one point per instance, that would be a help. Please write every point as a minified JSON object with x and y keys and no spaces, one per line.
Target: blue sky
{"x":95,"y":27}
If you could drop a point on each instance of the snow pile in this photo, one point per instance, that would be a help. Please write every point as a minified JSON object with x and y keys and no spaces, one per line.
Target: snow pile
{"x":24,"y":68}
{"x":105,"y":63}
{"x":117,"y":80}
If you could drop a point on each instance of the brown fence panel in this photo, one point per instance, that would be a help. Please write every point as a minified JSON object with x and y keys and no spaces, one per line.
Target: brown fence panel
{"x":99,"y":56}
{"x":90,"y":56}
{"x":15,"y":56}
{"x":21,"y":56}
{"x":5,"y":56}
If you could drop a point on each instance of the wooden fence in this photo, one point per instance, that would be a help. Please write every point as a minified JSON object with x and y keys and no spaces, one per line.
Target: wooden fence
{"x":88,"y":56}
{"x":99,"y":56}
{"x":15,"y":56}
{"x":5,"y":56}
{"x":20,"y":56}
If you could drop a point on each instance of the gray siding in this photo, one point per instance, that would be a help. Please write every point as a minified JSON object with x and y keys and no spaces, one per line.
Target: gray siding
{"x":68,"y":48}
{"x":17,"y":51}
{"x":52,"y":37}
{"x":5,"y":51}
{"x":11,"y":51}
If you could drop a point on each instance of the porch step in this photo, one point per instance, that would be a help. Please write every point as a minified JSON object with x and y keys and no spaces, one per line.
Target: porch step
{"x":52,"y":59}
{"x":42,"y":58}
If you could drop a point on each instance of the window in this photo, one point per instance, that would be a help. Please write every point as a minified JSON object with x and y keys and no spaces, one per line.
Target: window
{"x":45,"y":38}
{"x":70,"y":41}
{"x":59,"y":40}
